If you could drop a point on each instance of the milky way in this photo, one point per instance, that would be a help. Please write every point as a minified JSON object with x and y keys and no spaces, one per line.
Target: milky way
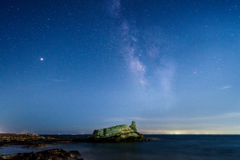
{"x":141,"y":52}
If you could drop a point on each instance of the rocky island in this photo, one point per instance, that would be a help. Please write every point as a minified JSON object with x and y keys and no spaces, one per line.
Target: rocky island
{"x":119,"y":133}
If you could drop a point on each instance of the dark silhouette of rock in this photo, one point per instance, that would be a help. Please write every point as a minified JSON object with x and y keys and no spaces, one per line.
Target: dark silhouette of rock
{"x":36,"y":145}
{"x":53,"y":154}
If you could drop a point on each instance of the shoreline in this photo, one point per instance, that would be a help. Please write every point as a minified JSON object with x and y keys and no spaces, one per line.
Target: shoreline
{"x":34,"y":141}
{"x":44,"y":155}
{"x":185,"y":146}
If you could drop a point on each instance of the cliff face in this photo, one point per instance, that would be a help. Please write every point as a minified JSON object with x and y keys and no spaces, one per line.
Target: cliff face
{"x":117,"y":133}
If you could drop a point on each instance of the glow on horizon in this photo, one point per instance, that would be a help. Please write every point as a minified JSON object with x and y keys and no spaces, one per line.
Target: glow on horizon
{"x":179,"y":132}
{"x":1,"y":131}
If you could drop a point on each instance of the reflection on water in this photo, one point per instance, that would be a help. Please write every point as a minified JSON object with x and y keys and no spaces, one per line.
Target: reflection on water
{"x":169,"y":147}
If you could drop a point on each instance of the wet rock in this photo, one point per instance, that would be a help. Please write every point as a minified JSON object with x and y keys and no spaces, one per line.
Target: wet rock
{"x":151,"y":139}
{"x":53,"y":154}
{"x":36,"y":145}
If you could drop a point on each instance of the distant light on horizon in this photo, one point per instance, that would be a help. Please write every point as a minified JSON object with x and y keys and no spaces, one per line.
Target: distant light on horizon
{"x":183,"y":132}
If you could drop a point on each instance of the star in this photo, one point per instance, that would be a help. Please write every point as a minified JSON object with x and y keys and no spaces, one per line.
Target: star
{"x":41,"y":59}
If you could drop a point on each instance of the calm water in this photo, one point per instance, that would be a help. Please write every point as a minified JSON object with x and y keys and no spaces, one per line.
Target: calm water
{"x":168,"y":147}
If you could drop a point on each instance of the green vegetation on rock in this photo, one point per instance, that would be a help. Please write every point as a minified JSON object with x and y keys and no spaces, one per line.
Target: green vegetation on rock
{"x":120,"y":132}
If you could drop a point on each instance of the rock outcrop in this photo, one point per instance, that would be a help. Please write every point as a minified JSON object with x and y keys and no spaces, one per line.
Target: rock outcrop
{"x":30,"y":139}
{"x":133,"y":126}
{"x":122,"y":131}
{"x":119,"y":133}
{"x":9,"y":137}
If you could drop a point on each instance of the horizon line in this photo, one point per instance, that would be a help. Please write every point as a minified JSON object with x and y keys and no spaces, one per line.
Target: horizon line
{"x":73,"y":134}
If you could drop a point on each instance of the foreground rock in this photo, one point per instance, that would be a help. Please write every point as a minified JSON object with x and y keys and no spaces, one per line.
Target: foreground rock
{"x":52,"y":154}
{"x":119,"y":133}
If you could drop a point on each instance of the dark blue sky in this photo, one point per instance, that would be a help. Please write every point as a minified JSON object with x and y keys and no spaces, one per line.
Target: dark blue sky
{"x":173,"y":66}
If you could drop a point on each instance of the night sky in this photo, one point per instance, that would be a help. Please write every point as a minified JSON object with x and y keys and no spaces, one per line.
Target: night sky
{"x":173,"y":66}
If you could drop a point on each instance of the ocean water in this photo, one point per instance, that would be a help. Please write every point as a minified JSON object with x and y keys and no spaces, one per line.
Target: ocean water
{"x":168,"y":147}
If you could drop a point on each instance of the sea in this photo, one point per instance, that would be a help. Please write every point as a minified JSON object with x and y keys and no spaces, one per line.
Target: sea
{"x":167,"y":147}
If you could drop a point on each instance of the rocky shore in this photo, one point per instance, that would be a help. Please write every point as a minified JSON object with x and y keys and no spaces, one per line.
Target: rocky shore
{"x":30,"y":140}
{"x":51,"y":154}
{"x":119,"y":133}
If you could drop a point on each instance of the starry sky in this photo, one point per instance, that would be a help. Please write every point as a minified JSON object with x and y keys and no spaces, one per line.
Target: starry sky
{"x":173,"y":66}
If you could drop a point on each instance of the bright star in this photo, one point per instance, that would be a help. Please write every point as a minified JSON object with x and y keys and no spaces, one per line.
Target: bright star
{"x":41,"y":59}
